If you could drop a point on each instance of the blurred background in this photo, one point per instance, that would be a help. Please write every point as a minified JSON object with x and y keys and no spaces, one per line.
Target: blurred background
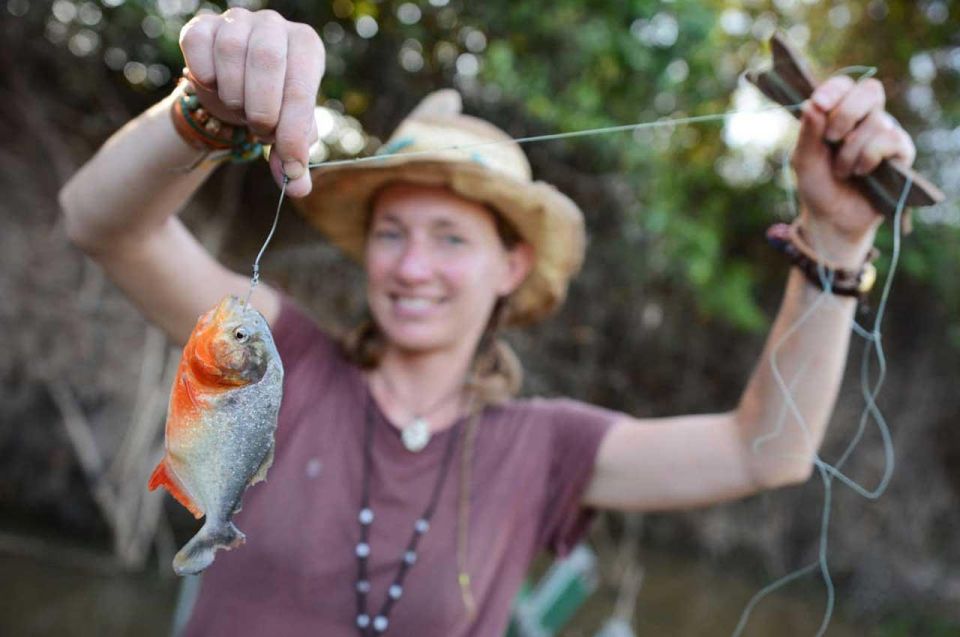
{"x":668,"y":316}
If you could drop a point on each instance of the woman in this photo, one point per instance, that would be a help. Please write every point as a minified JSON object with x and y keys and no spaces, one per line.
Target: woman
{"x":410,"y":490}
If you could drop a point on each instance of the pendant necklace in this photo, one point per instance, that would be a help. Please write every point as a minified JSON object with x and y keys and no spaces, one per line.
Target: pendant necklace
{"x":416,"y":433}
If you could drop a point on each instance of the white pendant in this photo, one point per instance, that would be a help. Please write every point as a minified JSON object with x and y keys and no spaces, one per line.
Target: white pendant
{"x":416,"y":435}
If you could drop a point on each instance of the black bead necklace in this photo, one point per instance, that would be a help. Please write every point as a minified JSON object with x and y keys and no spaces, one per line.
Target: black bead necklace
{"x":377,"y":625}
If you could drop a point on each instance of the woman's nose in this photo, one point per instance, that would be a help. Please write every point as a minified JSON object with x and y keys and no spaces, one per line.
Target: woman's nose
{"x":415,"y":263}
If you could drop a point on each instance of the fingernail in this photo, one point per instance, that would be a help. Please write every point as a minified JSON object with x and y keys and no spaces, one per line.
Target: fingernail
{"x":293,"y":169}
{"x":824,"y":99}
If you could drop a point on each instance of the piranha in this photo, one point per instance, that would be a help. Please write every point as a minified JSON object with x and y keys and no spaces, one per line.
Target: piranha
{"x":220,"y":425}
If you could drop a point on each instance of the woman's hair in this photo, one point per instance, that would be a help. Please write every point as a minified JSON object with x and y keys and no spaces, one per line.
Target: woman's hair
{"x":496,"y":373}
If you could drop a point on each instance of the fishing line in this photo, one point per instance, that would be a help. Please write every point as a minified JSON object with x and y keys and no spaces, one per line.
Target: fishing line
{"x":775,"y":431}
{"x":255,"y":277}
{"x":864,"y":71}
{"x":872,"y":337}
{"x":661,"y":123}
{"x":826,"y":471}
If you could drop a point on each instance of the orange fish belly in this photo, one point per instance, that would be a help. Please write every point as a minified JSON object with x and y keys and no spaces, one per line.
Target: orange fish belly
{"x":183,"y":433}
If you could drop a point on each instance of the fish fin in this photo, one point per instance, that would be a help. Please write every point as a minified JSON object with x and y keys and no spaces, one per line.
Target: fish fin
{"x":167,"y":479}
{"x":188,"y":390}
{"x":198,"y":553}
{"x":261,"y":473}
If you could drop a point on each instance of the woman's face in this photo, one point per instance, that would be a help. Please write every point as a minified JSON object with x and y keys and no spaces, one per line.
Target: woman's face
{"x":435,"y":267}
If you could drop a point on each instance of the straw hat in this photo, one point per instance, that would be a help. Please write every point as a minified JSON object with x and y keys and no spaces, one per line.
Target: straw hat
{"x":494,"y":174}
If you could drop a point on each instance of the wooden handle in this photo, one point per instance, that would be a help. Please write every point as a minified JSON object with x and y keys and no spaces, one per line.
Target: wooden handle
{"x":790,"y":82}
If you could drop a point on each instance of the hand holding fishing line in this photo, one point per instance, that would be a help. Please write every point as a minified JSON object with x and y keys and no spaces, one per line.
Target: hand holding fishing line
{"x":841,"y":220}
{"x":258,"y":69}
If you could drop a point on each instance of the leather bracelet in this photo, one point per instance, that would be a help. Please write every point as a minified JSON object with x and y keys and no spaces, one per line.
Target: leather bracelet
{"x":789,"y":240}
{"x":202,"y":131}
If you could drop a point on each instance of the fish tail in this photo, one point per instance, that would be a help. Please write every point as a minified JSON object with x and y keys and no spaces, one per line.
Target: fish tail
{"x":198,"y":553}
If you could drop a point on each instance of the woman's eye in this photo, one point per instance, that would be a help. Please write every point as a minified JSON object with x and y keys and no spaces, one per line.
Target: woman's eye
{"x":453,"y":239}
{"x":388,"y":235}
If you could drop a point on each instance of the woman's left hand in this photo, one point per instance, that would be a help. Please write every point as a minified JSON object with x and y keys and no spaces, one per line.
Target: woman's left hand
{"x":852,"y":115}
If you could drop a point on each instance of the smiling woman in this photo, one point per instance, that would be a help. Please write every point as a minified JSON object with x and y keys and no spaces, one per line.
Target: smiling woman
{"x":359,"y":529}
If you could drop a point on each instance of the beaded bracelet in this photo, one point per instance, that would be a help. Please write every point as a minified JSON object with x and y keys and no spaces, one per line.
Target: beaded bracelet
{"x":789,"y":239}
{"x":203,"y":131}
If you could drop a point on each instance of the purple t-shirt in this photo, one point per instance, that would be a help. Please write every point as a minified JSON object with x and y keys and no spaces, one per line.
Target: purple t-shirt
{"x":295,"y":575}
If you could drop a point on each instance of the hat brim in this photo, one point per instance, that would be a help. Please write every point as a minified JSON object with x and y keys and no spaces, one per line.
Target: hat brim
{"x":548,"y":220}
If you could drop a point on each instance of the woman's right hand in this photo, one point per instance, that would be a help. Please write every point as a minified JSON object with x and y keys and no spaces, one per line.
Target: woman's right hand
{"x":260,"y":70}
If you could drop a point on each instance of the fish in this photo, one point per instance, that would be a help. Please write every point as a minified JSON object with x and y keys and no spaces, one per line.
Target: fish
{"x":221,"y":420}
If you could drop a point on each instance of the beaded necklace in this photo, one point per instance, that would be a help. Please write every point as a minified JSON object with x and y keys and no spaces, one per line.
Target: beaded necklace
{"x":379,"y":623}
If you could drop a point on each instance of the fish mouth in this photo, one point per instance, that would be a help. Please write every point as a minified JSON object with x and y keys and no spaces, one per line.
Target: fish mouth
{"x":255,"y":365}
{"x":246,"y":362}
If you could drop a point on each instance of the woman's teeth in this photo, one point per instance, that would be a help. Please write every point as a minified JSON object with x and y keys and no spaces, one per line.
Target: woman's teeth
{"x":413,"y":304}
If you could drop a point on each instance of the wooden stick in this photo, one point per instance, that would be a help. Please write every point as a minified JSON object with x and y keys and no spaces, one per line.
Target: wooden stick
{"x":790,"y":81}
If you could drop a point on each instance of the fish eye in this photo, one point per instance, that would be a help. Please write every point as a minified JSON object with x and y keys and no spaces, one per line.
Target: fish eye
{"x":241,"y":335}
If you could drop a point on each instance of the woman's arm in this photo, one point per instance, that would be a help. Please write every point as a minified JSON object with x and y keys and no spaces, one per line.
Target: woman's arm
{"x":687,"y":461}
{"x":121,"y":206}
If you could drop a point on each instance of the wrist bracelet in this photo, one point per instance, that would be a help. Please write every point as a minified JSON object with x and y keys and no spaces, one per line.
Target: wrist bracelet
{"x":201,"y":130}
{"x":789,"y":240}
